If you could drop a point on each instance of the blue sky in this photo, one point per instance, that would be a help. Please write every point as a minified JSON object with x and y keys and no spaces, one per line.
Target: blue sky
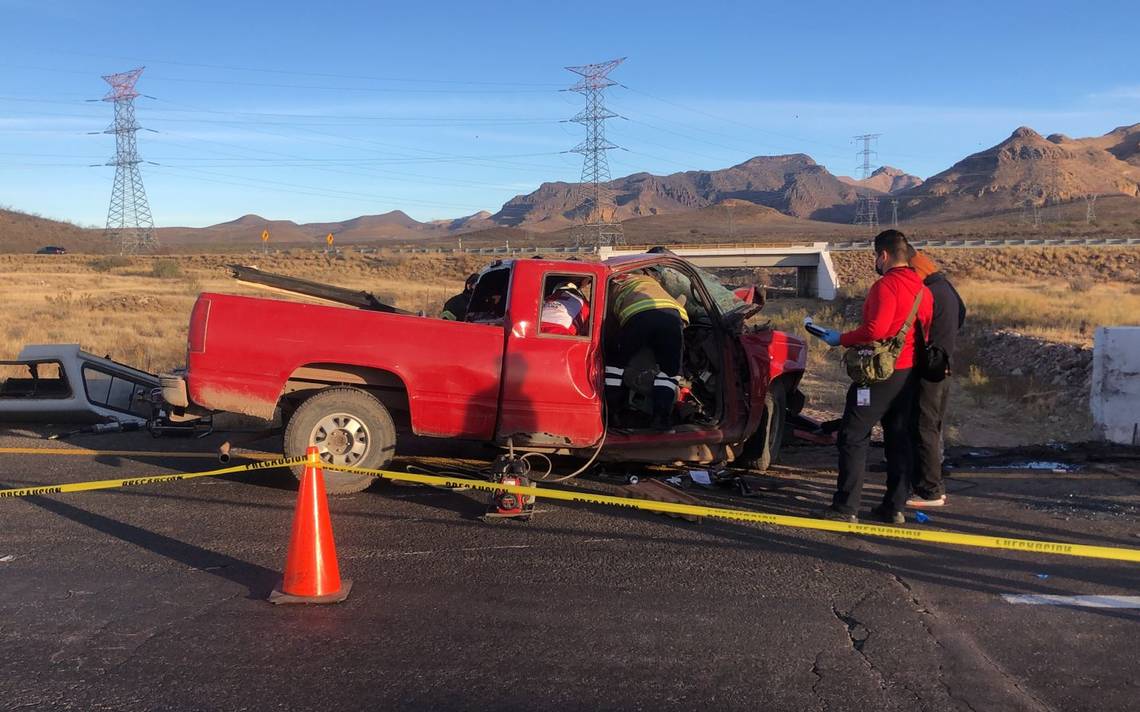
{"x":325,"y":111}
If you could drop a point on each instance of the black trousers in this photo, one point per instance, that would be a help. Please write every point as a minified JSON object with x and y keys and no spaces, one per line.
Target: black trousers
{"x":892,"y":403}
{"x":930,"y":416}
{"x":663,"y":332}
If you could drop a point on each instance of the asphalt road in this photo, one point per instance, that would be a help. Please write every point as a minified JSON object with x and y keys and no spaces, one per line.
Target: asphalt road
{"x":153,"y":598}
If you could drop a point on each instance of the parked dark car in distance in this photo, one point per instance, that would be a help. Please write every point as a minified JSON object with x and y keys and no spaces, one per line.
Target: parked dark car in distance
{"x":52,"y":250}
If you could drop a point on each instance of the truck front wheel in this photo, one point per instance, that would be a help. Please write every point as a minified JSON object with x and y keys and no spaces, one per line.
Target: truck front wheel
{"x":763,"y":448}
{"x":348,"y":427}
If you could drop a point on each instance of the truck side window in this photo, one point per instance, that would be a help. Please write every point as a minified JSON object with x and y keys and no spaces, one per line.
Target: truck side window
{"x":566,"y":304}
{"x":43,"y":379}
{"x":489,"y":300}
{"x":115,"y":391}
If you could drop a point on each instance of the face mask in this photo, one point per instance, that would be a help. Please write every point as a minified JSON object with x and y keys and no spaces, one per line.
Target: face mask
{"x":878,"y":266}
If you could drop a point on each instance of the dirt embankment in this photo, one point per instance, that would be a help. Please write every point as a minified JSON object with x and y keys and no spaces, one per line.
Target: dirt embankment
{"x":1097,"y":264}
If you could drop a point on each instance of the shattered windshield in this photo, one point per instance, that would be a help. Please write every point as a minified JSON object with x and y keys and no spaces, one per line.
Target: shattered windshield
{"x":725,"y":299}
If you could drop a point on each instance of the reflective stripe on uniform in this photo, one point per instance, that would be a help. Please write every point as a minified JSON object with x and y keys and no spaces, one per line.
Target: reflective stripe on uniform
{"x":640,"y":293}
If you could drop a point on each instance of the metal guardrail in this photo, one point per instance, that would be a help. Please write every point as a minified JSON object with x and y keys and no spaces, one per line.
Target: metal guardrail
{"x":1012,"y":242}
{"x":847,"y":246}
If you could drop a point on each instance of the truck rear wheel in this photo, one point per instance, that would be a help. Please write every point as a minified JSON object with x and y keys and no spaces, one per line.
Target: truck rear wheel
{"x":763,"y":448}
{"x":348,"y":426}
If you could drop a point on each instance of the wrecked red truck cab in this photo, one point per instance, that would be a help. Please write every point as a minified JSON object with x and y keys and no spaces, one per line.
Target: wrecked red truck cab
{"x":348,"y":380}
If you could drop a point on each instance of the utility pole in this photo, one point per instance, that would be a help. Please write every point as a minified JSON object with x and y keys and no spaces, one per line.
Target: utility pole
{"x":867,"y":212}
{"x":599,"y":227}
{"x":1090,"y":208}
{"x":129,"y":221}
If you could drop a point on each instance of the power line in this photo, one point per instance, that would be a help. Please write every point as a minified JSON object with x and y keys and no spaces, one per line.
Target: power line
{"x":727,"y":119}
{"x":326,"y":75}
{"x":307,"y":87}
{"x":129,"y":221}
{"x":599,"y":228}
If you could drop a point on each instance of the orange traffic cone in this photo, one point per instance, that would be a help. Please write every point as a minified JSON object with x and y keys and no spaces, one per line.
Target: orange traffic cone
{"x":311,"y":571}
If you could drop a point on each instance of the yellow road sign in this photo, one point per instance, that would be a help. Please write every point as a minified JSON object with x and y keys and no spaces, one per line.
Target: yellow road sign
{"x":265,"y":235}
{"x":329,"y":239}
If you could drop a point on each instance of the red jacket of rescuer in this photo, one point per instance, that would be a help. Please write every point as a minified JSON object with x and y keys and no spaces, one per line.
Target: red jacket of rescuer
{"x":886,"y":308}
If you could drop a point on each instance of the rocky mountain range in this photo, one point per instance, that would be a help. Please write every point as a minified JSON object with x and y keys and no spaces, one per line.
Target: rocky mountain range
{"x":885,"y":179}
{"x":1028,"y":167}
{"x":1024,"y":167}
{"x":793,"y":184}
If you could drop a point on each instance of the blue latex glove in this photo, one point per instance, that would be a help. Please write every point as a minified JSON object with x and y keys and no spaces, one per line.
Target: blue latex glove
{"x":830,"y":337}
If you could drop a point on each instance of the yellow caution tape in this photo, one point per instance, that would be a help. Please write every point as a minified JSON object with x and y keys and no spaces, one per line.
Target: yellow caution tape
{"x":154,"y":479}
{"x":783,"y":520}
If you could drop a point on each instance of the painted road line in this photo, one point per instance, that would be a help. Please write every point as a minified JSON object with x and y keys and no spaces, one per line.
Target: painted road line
{"x":1040,"y":599}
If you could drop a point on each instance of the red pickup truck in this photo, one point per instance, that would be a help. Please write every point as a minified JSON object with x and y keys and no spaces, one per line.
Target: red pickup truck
{"x":349,"y":379}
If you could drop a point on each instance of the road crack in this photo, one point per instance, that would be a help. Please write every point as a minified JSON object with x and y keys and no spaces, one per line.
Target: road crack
{"x":961,"y":647}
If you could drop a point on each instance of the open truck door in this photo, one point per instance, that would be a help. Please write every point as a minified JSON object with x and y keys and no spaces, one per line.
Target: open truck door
{"x":551,"y":389}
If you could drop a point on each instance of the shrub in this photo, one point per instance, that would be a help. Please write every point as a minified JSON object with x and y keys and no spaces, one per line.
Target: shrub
{"x":108,"y":263}
{"x":166,"y":269}
{"x":977,"y":384}
{"x":1080,"y":284}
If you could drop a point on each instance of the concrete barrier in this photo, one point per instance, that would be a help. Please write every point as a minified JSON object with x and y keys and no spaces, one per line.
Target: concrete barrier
{"x":1115,"y":398}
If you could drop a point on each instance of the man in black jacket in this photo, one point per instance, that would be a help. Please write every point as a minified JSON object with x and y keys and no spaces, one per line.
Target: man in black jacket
{"x":455,"y":308}
{"x":934,"y":386}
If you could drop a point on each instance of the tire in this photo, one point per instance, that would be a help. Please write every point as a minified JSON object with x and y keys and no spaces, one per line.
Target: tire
{"x":350,"y":427}
{"x":763,"y":448}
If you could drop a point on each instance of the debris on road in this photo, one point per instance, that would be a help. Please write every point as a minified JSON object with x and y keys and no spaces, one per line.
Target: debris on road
{"x":658,"y":491}
{"x":61,"y":383}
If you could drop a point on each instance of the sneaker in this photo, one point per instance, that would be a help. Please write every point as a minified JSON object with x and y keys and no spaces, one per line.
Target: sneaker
{"x":917,"y":501}
{"x":835,"y":515}
{"x":888,"y":516}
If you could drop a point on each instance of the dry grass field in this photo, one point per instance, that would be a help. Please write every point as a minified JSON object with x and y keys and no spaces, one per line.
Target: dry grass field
{"x":136,"y":310}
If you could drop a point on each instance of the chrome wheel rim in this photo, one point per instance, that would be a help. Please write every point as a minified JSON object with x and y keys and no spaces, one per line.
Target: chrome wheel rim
{"x":341,"y":439}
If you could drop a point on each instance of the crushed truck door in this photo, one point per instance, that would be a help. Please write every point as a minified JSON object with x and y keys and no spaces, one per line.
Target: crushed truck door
{"x":550,"y":386}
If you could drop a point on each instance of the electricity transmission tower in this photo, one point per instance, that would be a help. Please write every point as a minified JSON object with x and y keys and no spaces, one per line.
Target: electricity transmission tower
{"x":1090,"y":208}
{"x":128,"y":218}
{"x":867,"y":212}
{"x":599,"y":227}
{"x":866,"y":152}
{"x":1030,"y":213}
{"x":1030,"y":210}
{"x":894,"y":212}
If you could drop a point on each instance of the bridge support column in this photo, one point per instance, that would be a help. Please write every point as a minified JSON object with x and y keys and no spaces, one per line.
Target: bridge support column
{"x":807,"y":282}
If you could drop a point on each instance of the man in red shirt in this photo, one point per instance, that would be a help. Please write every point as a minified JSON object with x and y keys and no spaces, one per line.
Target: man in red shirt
{"x":891,"y":401}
